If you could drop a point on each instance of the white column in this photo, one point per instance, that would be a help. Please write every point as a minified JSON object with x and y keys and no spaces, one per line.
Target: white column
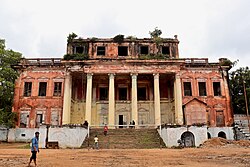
{"x":157,"y":102}
{"x":111,"y":99}
{"x":178,"y":100}
{"x":134,"y":99}
{"x":67,"y":99}
{"x":88,"y":98}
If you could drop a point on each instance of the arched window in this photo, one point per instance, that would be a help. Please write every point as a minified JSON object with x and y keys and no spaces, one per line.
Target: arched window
{"x":222,"y":135}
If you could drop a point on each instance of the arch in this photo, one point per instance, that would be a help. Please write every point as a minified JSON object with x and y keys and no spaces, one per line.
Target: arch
{"x":188,"y":139}
{"x":208,"y":135}
{"x":222,"y":135}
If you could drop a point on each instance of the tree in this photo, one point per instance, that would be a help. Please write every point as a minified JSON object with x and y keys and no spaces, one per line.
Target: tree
{"x":8,"y":76}
{"x":71,"y":37}
{"x":237,"y":78}
{"x":156,"y":33}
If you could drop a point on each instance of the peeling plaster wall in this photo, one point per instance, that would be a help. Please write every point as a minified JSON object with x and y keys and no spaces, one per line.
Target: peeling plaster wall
{"x":212,"y":103}
{"x":77,"y":112}
{"x":34,"y":103}
{"x":26,"y":134}
{"x":170,"y":136}
{"x":214,"y":131}
{"x":167,"y":112}
{"x":3,"y":134}
{"x":68,"y":137}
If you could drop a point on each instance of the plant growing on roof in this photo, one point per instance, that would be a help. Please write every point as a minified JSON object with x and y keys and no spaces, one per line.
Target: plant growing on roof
{"x":156,"y":33}
{"x":71,"y":37}
{"x":132,"y":38}
{"x":119,"y":38}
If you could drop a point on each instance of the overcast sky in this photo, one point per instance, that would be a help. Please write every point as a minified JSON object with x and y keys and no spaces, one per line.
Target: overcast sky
{"x":205,"y":28}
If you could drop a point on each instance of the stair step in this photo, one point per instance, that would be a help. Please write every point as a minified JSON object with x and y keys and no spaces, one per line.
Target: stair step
{"x":125,"y":138}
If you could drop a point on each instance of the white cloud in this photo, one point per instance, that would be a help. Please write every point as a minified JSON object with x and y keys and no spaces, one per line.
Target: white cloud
{"x":205,"y":28}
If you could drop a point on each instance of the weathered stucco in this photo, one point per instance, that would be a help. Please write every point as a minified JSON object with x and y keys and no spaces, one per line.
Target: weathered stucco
{"x":154,"y":88}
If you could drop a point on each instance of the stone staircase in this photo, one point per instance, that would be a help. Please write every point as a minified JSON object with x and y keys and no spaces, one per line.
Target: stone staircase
{"x":241,"y":127}
{"x":125,"y":138}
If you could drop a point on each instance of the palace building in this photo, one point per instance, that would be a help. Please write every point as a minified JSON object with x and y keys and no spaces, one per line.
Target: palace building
{"x":114,"y":82}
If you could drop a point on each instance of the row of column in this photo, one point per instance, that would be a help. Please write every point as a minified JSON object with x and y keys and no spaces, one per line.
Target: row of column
{"x":111,"y":117}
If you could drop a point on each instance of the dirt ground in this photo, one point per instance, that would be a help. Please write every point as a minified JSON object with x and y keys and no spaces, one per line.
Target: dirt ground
{"x":216,"y":156}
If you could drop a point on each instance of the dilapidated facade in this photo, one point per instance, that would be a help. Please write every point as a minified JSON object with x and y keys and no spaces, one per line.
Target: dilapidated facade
{"x":108,"y":82}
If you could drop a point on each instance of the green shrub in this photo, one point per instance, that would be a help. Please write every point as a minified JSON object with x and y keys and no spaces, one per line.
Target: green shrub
{"x":119,"y":38}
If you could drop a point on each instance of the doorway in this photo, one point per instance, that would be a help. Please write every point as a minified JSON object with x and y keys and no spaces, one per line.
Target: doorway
{"x":120,"y":121}
{"x":188,"y":139}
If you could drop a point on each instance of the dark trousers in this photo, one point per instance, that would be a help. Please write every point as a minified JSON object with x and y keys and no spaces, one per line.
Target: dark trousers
{"x":33,"y":155}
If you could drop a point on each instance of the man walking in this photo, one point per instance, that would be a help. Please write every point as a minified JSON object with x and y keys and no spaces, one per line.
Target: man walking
{"x":34,"y":148}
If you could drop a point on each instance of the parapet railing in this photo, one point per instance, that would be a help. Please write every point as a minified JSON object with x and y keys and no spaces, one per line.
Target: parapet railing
{"x":196,"y":60}
{"x":41,"y":61}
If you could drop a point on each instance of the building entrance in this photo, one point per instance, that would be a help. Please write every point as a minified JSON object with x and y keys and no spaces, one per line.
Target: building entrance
{"x":120,"y":121}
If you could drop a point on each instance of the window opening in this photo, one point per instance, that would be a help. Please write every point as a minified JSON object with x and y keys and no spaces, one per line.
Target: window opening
{"x":165,"y":50}
{"x":57,"y":88}
{"x":101,"y":50}
{"x":122,"y":51}
{"x":103,"y":93}
{"x":144,"y":50}
{"x":42,"y":88}
{"x":141,"y":93}
{"x":79,"y":49}
{"x":27,"y":89}
{"x":202,"y":89}
{"x":217,"y":89}
{"x":122,"y":93}
{"x":187,"y":89}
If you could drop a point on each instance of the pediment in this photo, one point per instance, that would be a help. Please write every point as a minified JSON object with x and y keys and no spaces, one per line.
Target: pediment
{"x":142,"y":110}
{"x":195,"y":99}
{"x":26,"y":106}
{"x":27,"y":78}
{"x":43,"y":78}
{"x":219,"y":105}
{"x":123,"y":110}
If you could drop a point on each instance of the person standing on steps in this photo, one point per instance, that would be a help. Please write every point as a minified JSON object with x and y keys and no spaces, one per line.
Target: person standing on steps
{"x":96,"y":143}
{"x":34,"y":148}
{"x":133,"y":123}
{"x":105,"y":130}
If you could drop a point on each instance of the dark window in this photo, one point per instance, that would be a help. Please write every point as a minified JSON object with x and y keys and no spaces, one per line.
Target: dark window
{"x":101,"y":50}
{"x":79,"y":49}
{"x":57,"y":89}
{"x":122,"y":50}
{"x":42,"y":88}
{"x":122,"y":93}
{"x":103,"y":93}
{"x":202,"y":89}
{"x":141,"y":93}
{"x":187,"y":89}
{"x":165,"y":50}
{"x":217,"y":89}
{"x":27,"y":89}
{"x":144,"y":50}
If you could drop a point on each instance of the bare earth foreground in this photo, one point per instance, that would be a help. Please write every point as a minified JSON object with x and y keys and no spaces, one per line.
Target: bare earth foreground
{"x":223,"y":156}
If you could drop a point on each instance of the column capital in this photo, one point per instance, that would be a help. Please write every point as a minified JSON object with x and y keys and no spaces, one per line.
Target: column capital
{"x":134,"y":75}
{"x":177,"y":75}
{"x":156,"y":75}
{"x":111,"y":75}
{"x":89,"y":75}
